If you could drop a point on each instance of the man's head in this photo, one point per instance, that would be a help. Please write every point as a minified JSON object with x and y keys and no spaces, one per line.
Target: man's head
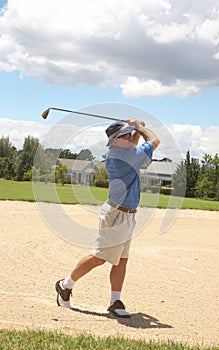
{"x":117,"y":130}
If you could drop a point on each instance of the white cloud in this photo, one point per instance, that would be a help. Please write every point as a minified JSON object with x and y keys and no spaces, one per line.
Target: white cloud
{"x":133,"y":88}
{"x":196,"y":139}
{"x":165,"y":33}
{"x":209,"y":141}
{"x":176,"y":139}
{"x":209,"y":30}
{"x":168,"y":47}
{"x":216,"y":55}
{"x":17,"y":130}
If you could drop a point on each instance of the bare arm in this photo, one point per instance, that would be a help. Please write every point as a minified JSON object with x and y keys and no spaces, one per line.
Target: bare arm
{"x":147,"y":134}
{"x":136,"y":135}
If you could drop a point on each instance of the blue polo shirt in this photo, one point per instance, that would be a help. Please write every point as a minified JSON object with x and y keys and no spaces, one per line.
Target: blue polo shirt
{"x":123,"y":166}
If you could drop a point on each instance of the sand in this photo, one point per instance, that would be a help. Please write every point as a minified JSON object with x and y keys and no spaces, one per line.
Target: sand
{"x":171,"y":287}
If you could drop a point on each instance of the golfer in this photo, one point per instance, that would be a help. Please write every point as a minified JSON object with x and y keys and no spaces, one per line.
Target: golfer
{"x":117,"y":215}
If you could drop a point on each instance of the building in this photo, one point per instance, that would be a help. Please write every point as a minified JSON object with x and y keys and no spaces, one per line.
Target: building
{"x":157,"y":174}
{"x":83,"y":172}
{"x":80,"y":171}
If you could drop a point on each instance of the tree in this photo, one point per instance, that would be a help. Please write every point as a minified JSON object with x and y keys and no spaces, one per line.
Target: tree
{"x":210,"y":168}
{"x":8,"y":155}
{"x":44,"y":162}
{"x":101,"y":178}
{"x":192,"y":172}
{"x":216,"y":165}
{"x":60,"y":173}
{"x":85,"y":154}
{"x":217,"y":192}
{"x":4,"y":167}
{"x":26,"y":156}
{"x":204,"y":187}
{"x":206,"y":161}
{"x":35,"y":174}
{"x":66,"y":153}
{"x":8,"y":167}
{"x":165,"y":159}
{"x":6,"y":147}
{"x":179,"y":180}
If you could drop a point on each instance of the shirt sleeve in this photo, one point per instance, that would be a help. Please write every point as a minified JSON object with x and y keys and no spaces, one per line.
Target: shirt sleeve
{"x":144,"y":153}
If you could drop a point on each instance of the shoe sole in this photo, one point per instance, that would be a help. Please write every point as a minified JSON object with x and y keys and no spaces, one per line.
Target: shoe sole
{"x":120,"y":316}
{"x":65,"y":304}
{"x":57,"y":299}
{"x":56,"y":288}
{"x":118,"y":309}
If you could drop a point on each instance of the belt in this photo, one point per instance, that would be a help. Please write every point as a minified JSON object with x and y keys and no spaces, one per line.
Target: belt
{"x":121,"y":207}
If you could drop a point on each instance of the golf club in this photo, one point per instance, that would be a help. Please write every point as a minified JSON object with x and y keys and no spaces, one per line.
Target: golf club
{"x":46,"y":112}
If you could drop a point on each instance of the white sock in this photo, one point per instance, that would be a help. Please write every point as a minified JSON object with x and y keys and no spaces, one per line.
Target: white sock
{"x":68,"y":283}
{"x":115,"y":295}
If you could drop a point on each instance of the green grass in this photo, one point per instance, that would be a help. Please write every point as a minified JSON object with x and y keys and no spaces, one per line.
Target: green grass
{"x":165,"y":201}
{"x":14,"y":190}
{"x":68,"y":194}
{"x":31,"y":340}
{"x":24,"y":191}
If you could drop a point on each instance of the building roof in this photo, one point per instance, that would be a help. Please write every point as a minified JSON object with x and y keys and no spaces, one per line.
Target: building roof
{"x":162,"y":168}
{"x":76,"y":165}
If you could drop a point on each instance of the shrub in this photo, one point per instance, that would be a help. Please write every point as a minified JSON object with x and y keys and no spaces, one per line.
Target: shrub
{"x":155,"y":189}
{"x":27,"y":175}
{"x":101,"y":178}
{"x":165,"y":190}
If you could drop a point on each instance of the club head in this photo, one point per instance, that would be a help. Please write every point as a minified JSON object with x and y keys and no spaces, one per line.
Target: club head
{"x":45,"y":113}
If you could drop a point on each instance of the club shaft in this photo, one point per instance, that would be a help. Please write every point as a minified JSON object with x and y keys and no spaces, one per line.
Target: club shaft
{"x":88,"y":114}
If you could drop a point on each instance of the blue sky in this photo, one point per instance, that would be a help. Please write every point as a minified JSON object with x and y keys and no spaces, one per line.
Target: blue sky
{"x":25,"y":98}
{"x":158,"y":55}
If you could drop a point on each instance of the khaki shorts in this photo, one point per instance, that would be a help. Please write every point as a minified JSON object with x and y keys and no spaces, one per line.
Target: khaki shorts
{"x":115,"y":234}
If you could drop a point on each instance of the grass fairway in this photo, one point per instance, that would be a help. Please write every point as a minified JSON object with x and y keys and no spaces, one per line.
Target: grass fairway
{"x":76,"y":194}
{"x":25,"y":191}
{"x":30,"y":340}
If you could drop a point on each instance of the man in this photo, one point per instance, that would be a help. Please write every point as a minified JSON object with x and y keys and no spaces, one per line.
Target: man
{"x":117,"y":216}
